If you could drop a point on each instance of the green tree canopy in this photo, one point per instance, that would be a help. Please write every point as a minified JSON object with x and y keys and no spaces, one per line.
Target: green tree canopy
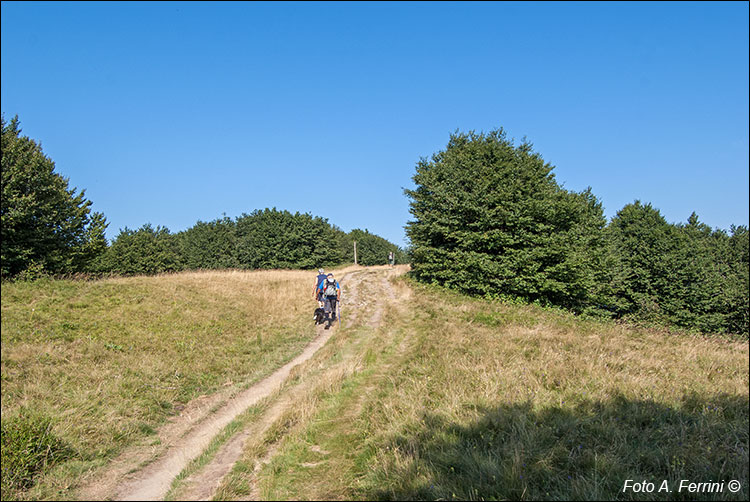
{"x":147,"y":250}
{"x":736,"y":255}
{"x":490,"y":219}
{"x":271,"y":238}
{"x":373,"y":249}
{"x":264,"y":239}
{"x":209,"y":245}
{"x":645,"y":247}
{"x":44,"y":223}
{"x":686,"y":275}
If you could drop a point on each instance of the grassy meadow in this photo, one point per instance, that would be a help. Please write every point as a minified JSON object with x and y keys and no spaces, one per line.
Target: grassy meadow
{"x":446,"y":398}
{"x":102,"y":364}
{"x":454,"y":398}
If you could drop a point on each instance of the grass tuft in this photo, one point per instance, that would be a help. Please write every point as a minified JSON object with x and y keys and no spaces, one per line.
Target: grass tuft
{"x":29,"y":447}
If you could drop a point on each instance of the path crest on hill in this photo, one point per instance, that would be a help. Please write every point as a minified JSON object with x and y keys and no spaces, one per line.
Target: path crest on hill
{"x":192,"y":432}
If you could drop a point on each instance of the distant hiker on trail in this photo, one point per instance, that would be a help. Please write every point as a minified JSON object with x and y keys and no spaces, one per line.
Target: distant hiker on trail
{"x":331,"y":292}
{"x":319,"y":314}
{"x":392,"y":258}
{"x":316,"y":292}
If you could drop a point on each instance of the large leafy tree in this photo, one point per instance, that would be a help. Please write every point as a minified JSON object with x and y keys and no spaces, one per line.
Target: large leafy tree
{"x":736,"y":289}
{"x":271,"y":238}
{"x":209,"y":245}
{"x":490,"y":219}
{"x":147,"y":250}
{"x":645,"y":248}
{"x":45,"y":224}
{"x":685,"y":275}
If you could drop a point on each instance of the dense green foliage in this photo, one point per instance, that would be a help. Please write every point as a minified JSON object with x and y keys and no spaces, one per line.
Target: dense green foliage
{"x":28,"y":447}
{"x":279,"y":239}
{"x":373,"y":249}
{"x":147,"y":250}
{"x":263,"y":239}
{"x":209,"y":245}
{"x":491,"y":220}
{"x":46,"y":227}
{"x":687,"y":275}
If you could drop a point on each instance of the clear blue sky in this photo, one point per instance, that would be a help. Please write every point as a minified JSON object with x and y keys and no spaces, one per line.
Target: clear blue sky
{"x":170,"y":113}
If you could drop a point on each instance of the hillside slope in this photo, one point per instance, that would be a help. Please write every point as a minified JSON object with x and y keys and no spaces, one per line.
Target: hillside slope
{"x":419,"y":394}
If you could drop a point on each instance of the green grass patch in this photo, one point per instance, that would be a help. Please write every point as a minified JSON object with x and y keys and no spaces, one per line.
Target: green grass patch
{"x":450,"y":398}
{"x":110,"y":361}
{"x":29,"y":447}
{"x":491,"y":401}
{"x":309,"y":454}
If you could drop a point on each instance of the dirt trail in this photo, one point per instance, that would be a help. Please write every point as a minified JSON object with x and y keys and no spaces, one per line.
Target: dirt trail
{"x":192,"y":432}
{"x":203,"y":484}
{"x":373,"y":297}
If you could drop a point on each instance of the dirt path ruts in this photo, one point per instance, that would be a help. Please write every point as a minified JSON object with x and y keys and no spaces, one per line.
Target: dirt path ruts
{"x":203,"y":484}
{"x":371,"y":297}
{"x":189,"y":435}
{"x":154,"y":481}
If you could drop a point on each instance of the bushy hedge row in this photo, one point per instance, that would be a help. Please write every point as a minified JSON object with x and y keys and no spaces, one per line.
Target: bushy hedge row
{"x":372,"y":249}
{"x":490,"y":219}
{"x":687,"y":275}
{"x":266,"y":239}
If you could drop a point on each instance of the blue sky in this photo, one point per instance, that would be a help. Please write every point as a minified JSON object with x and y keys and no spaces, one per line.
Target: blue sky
{"x":175,"y":112}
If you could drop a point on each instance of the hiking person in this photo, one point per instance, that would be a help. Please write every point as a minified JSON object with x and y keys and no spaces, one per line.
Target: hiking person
{"x":319,"y":313}
{"x":316,"y":292}
{"x":331,"y":292}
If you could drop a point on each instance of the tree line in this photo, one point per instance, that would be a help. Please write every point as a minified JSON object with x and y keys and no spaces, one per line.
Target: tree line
{"x":49,"y":229}
{"x":263,"y":239}
{"x":490,"y":219}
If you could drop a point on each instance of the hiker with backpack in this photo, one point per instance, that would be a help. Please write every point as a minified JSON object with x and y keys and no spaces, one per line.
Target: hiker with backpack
{"x":316,"y":291}
{"x":319,"y":314}
{"x":331,"y":293}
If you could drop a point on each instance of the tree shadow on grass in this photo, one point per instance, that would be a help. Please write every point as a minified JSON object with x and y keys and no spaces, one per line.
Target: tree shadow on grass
{"x":582,"y":452}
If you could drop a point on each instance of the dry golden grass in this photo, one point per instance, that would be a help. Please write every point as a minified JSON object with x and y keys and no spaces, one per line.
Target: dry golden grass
{"x":480,"y":400}
{"x":111,"y":360}
{"x":447,"y":397}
